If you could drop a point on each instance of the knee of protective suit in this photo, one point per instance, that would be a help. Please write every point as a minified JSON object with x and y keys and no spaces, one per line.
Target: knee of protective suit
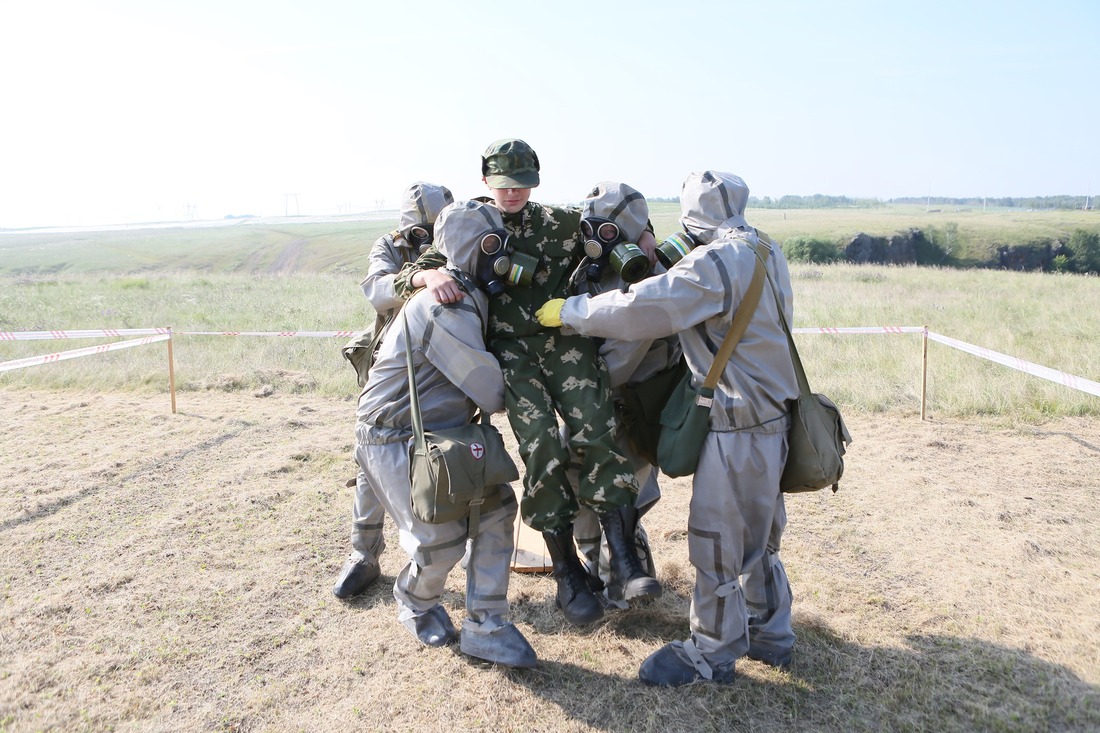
{"x":442,"y":552}
{"x":499,"y":521}
{"x":712,"y":556}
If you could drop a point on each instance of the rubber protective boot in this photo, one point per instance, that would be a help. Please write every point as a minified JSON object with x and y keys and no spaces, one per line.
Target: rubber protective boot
{"x":770,"y":655}
{"x":358,"y":573}
{"x":432,"y":627}
{"x":628,"y":578}
{"x":575,"y":597}
{"x":671,"y":666}
{"x":499,"y":643}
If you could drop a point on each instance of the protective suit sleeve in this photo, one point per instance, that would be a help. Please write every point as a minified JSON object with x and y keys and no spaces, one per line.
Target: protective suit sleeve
{"x":385,"y":262}
{"x":658,"y":306}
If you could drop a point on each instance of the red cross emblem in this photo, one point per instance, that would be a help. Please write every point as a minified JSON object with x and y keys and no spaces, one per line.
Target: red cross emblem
{"x":477,"y":450}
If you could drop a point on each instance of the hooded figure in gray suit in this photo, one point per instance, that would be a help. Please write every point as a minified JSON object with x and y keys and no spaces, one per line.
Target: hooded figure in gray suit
{"x":625,"y":209}
{"x":455,"y":376}
{"x":736,"y":516}
{"x":420,"y":206}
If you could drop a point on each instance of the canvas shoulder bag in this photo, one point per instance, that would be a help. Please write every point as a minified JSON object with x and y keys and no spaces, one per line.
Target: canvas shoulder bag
{"x":454,"y":472}
{"x":818,"y":436}
{"x":685,"y":419}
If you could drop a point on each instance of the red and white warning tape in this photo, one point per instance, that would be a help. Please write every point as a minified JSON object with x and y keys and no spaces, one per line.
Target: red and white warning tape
{"x":316,"y":334}
{"x":90,"y":333}
{"x":1069,"y":380}
{"x":860,"y":329}
{"x":74,"y":353}
{"x":161,"y":334}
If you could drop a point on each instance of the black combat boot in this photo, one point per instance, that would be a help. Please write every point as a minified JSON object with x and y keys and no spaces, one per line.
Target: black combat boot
{"x":575,"y":597}
{"x":628,"y":578}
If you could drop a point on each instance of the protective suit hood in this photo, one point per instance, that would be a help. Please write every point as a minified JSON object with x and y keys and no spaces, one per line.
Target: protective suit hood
{"x":421,"y":204}
{"x":618,"y":203}
{"x":711,"y":199}
{"x":459,"y":229}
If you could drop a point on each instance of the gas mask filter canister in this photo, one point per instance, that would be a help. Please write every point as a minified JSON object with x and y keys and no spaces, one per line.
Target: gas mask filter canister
{"x":603,"y":245}
{"x":498,"y":268}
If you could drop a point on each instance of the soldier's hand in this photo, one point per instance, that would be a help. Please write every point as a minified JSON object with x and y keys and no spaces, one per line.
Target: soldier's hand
{"x":648,"y":244}
{"x":549,"y":314}
{"x":441,"y":285}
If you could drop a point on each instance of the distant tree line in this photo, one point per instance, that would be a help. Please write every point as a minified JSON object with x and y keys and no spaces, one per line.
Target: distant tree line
{"x":1009,"y":202}
{"x":817,"y":201}
{"x":1078,"y":253}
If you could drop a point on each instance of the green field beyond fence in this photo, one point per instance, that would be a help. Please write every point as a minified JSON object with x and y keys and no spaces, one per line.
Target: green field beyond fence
{"x":304,"y":277}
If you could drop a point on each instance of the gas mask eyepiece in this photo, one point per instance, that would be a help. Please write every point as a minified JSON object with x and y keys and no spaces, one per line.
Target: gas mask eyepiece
{"x":421,"y":236}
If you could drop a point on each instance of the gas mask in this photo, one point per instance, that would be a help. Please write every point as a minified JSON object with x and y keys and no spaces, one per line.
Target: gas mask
{"x":498,"y":267}
{"x":675,"y":248}
{"x":420,"y":236}
{"x":603,"y":244}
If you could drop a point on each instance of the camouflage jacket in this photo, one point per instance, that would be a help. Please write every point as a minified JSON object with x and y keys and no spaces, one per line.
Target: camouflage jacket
{"x":548,"y":233}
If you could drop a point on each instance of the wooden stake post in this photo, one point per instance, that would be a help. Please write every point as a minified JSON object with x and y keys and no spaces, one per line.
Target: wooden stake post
{"x":171,"y":372}
{"x":924,"y":372}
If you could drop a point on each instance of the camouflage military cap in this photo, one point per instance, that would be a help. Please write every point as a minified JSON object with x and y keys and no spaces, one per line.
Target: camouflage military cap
{"x":510,"y":163}
{"x":709,"y":199}
{"x":618,"y":203}
{"x":421,"y":204}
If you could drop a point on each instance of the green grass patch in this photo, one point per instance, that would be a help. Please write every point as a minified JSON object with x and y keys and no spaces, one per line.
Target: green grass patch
{"x":1042,"y":318}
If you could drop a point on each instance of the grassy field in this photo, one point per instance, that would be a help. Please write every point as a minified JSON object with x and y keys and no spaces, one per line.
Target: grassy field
{"x":246,"y":246}
{"x":1037,"y":317}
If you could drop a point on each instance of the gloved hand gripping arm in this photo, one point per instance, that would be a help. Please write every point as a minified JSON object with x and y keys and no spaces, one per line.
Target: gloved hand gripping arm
{"x":549,"y":314}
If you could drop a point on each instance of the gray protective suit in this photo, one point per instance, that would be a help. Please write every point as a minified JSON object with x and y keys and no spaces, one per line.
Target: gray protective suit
{"x":736,"y":516}
{"x":627,"y":362}
{"x":455,"y":376}
{"x":420,"y":206}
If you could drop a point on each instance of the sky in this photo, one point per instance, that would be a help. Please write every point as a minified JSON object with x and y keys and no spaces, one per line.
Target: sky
{"x":125,"y":111}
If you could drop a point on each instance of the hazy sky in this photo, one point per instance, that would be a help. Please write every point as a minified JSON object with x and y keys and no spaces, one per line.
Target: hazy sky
{"x":126,"y":111}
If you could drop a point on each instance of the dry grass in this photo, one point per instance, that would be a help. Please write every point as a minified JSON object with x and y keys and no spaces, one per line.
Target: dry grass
{"x":171,"y":573}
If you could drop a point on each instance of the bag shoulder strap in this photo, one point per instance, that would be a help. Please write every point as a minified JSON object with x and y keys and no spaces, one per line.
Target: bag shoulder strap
{"x":414,"y":398}
{"x":741,"y":318}
{"x":420,"y":444}
{"x":800,"y":373}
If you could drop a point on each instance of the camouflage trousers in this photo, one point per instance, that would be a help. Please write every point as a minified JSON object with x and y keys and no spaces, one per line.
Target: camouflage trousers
{"x":548,"y":375}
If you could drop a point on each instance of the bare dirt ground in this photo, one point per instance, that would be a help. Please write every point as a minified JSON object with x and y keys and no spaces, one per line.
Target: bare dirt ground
{"x":173,"y":572}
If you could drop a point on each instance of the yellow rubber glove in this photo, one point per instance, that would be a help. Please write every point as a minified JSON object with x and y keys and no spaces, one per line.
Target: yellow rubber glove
{"x":549,"y":314}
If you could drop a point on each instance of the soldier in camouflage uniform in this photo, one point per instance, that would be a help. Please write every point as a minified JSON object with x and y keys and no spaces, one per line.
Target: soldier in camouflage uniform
{"x":548,"y":374}
{"x":420,"y":206}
